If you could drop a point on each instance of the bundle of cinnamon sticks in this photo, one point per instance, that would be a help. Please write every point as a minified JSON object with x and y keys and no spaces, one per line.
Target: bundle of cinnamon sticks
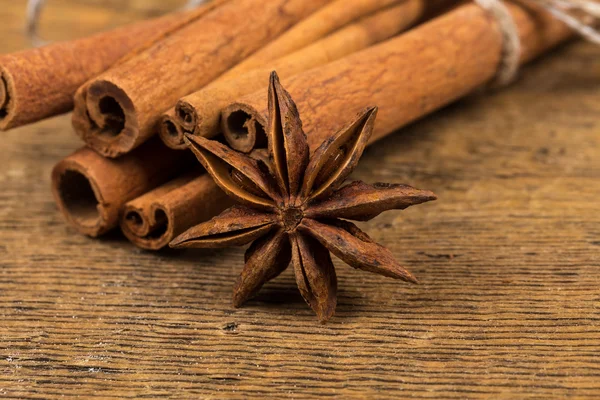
{"x":136,"y":91}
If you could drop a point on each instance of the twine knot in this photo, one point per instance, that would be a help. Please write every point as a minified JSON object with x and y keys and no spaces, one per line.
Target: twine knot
{"x":580,"y":15}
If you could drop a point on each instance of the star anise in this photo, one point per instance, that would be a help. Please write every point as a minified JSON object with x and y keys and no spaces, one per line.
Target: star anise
{"x":297,"y":212}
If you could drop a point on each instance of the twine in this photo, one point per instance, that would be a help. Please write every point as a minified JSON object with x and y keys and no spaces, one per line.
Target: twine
{"x":580,"y":15}
{"x":34,"y":11}
{"x":511,"y":48}
{"x":32,"y":18}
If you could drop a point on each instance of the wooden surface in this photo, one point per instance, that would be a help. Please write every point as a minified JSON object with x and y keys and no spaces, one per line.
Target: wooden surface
{"x":508,"y":257}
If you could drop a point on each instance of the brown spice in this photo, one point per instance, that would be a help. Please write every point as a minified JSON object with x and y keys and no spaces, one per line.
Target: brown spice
{"x":39,"y":83}
{"x":154,"y":219}
{"x":120,"y":109}
{"x":294,"y":214}
{"x":91,"y":190}
{"x":200,"y":112}
{"x":324,"y":21}
{"x":408,"y":76}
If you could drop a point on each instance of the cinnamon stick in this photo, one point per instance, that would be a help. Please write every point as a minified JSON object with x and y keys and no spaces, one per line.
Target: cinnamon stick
{"x":318,"y":24}
{"x":39,"y":83}
{"x":406,"y":77}
{"x":91,"y":190}
{"x":323,"y":22}
{"x":200,"y":112}
{"x":120,"y":109}
{"x":154,"y":219}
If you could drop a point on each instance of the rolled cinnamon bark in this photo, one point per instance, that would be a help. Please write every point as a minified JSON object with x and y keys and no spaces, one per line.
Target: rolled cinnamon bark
{"x":170,"y":131}
{"x":200,"y":112}
{"x":39,"y":83}
{"x":154,"y":219}
{"x":323,"y":22}
{"x":406,"y":77}
{"x":121,"y":108}
{"x":91,"y":190}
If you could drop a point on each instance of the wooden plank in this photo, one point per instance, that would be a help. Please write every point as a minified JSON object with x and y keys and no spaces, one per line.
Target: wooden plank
{"x":508,"y":257}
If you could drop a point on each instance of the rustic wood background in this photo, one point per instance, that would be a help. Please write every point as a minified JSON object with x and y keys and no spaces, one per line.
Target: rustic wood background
{"x":509,"y":305}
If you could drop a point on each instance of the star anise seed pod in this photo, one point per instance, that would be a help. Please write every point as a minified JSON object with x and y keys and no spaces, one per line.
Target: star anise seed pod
{"x":294,"y":214}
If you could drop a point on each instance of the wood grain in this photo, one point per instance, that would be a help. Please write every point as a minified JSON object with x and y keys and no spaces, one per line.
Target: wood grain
{"x":508,"y":259}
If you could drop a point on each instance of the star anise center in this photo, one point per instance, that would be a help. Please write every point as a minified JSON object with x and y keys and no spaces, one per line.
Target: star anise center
{"x":291,"y":217}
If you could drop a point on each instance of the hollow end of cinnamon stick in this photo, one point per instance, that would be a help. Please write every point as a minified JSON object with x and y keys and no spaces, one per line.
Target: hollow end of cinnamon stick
{"x":243,"y":127}
{"x":152,"y":220}
{"x":135,"y":222}
{"x":106,"y":120}
{"x":79,"y":199}
{"x":151,"y":232}
{"x":91,"y":190}
{"x":186,"y":116}
{"x":171,"y":132}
